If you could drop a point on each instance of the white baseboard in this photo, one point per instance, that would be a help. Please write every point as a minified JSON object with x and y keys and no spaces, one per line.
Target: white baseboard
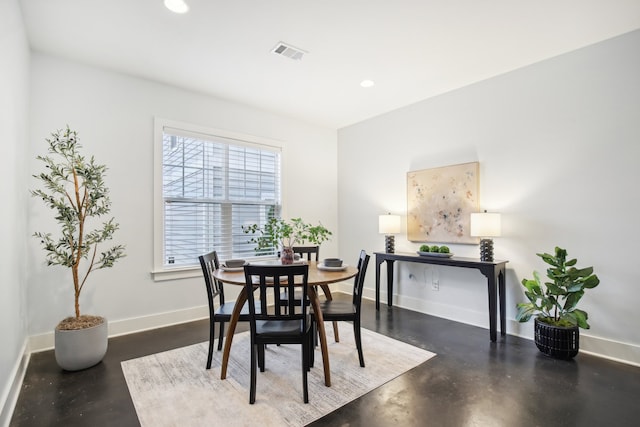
{"x":45,"y":341}
{"x":11,"y":393}
{"x":597,"y":346}
{"x":128,"y":326}
{"x":342,"y":287}
{"x":469,"y":317}
{"x":144,"y":323}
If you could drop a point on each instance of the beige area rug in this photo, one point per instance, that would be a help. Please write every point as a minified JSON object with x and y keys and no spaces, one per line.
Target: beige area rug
{"x":173,"y":388}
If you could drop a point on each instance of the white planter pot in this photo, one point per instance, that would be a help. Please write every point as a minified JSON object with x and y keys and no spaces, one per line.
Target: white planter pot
{"x":81,"y":348}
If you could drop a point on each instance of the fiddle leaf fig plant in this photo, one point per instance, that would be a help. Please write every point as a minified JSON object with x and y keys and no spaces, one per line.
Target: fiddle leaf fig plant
{"x":74,"y":188}
{"x":554,"y":301}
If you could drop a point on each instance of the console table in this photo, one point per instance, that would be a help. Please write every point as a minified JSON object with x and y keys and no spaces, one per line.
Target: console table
{"x":494,"y":271}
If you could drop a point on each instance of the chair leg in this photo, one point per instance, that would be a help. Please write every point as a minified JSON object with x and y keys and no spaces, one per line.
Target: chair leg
{"x":261,"y":356}
{"x":311,"y":344}
{"x":336,"y":336}
{"x":212,"y":327}
{"x":252,"y":387}
{"x":305,"y":363}
{"x":220,"y":336}
{"x":314,"y":331}
{"x":358,"y":336}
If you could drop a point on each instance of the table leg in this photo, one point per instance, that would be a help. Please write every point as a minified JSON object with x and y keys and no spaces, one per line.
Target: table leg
{"x":327,"y":294}
{"x":235,"y":315}
{"x":502,"y":297}
{"x":378,"y":284}
{"x":493,"y":302}
{"x":389,"y":282}
{"x":315,"y":303}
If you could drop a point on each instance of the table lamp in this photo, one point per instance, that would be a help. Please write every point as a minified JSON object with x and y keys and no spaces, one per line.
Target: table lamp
{"x":485,"y":225}
{"x":389,"y":225}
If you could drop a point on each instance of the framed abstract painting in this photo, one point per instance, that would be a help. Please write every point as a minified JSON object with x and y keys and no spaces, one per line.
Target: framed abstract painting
{"x":440,"y":201}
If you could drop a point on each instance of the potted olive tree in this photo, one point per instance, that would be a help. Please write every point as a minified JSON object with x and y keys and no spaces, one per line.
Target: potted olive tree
{"x":554,"y":304}
{"x":278,"y":233}
{"x":74,"y":188}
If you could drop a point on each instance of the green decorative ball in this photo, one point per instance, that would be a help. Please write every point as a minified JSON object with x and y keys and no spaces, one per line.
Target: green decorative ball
{"x":424,"y":248}
{"x":444,"y":249}
{"x":434,"y":248}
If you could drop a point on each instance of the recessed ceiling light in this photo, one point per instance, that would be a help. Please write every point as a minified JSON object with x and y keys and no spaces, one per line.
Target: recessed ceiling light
{"x":177,"y":6}
{"x":367,"y":83}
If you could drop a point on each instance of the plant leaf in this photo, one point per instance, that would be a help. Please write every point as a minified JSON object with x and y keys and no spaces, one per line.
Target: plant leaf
{"x":525,"y":311}
{"x":591,"y":282}
{"x":581,"y":318}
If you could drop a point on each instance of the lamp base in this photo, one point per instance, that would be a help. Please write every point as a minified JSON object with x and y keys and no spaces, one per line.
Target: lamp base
{"x":486,"y":250}
{"x":389,"y":244}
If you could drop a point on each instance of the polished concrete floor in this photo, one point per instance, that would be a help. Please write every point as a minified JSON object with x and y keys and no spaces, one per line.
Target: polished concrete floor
{"x":471,"y":382}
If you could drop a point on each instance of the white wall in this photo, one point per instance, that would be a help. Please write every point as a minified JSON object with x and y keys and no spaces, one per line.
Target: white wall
{"x":113,"y":115}
{"x":14,"y":93}
{"x":558,"y":144}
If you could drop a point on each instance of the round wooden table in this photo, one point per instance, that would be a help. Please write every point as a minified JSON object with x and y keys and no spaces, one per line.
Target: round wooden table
{"x":317,"y":277}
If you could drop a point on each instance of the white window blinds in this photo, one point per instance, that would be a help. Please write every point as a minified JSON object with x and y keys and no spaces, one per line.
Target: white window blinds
{"x":211,"y":186}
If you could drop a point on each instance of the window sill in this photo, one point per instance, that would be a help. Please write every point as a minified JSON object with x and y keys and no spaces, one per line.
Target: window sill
{"x":187,"y":272}
{"x":176,"y":273}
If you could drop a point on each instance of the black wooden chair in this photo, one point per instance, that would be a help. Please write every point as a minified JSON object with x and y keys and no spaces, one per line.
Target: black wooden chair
{"x":305,"y":252}
{"x":277,"y":324}
{"x":349,"y":311}
{"x":209,"y":262}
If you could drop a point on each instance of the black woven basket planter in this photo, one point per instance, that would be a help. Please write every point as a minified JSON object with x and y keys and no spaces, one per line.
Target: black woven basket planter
{"x":557,"y":341}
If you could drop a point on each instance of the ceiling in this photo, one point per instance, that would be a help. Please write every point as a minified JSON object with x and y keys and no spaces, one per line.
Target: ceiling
{"x":411,"y":49}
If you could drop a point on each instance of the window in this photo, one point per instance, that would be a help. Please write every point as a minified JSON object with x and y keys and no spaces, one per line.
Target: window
{"x":211,"y":184}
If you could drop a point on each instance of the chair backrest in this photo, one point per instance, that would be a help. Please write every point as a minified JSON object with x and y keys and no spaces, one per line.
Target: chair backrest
{"x":307,"y":251}
{"x":358,"y":283}
{"x":209,"y":262}
{"x":278,"y":278}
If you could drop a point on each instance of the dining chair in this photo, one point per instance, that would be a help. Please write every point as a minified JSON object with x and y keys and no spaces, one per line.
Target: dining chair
{"x":277,"y":324}
{"x":349,"y":311}
{"x":215,"y":290}
{"x":305,"y":252}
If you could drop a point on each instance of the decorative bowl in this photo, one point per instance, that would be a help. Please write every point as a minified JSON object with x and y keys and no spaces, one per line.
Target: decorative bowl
{"x":234,"y":263}
{"x":332,"y":262}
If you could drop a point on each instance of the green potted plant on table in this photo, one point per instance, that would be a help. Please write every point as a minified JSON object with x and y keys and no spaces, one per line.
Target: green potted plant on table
{"x":279,"y":233}
{"x":554,"y":304}
{"x":74,"y":188}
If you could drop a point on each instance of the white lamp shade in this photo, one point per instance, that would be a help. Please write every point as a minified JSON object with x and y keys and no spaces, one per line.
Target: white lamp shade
{"x":389,"y":224}
{"x":485,"y":224}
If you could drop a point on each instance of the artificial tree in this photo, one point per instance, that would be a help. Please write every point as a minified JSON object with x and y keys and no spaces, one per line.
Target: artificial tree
{"x":74,"y":188}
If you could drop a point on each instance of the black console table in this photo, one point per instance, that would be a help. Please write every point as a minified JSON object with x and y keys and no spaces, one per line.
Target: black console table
{"x":494,"y":271}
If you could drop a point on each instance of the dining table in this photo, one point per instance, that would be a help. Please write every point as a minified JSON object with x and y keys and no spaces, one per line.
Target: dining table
{"x":319,"y":276}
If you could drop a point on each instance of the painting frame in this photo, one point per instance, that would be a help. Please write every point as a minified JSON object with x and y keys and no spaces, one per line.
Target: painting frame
{"x":440,"y":202}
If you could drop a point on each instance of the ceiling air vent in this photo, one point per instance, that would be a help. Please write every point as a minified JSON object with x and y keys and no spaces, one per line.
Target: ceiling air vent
{"x":288,"y":51}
